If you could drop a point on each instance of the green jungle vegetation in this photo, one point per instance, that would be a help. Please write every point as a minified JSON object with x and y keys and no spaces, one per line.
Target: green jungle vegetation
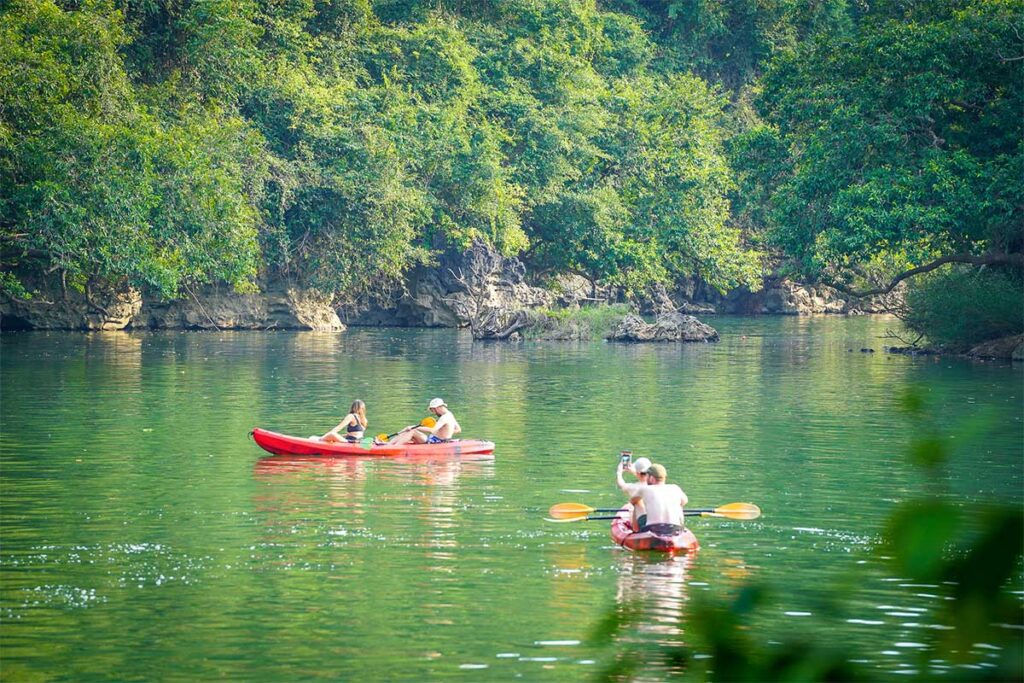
{"x":338,"y":143}
{"x":944,"y":305}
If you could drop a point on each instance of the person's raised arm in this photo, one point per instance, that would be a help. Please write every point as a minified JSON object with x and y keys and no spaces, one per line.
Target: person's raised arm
{"x":626,"y":488}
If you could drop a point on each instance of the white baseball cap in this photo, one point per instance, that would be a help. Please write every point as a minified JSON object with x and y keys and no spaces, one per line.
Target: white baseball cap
{"x":640,"y":465}
{"x":437,"y":403}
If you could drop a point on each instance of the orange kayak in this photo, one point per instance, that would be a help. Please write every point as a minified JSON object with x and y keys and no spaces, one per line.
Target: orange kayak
{"x":282,"y":444}
{"x":624,"y":535}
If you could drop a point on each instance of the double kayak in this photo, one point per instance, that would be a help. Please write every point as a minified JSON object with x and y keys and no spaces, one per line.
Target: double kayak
{"x":624,"y":535}
{"x":283,"y":444}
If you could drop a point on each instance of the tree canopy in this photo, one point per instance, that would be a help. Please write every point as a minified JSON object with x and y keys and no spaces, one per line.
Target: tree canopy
{"x":341,"y":142}
{"x":901,"y":143}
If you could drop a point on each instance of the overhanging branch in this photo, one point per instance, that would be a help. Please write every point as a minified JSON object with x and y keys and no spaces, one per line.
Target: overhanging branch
{"x":983,"y":260}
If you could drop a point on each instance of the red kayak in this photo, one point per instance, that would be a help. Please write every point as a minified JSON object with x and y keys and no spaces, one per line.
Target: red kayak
{"x":282,"y":444}
{"x":623,"y":534}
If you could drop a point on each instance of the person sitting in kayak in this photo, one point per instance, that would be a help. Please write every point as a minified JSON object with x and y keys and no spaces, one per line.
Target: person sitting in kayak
{"x":639,"y":469}
{"x":354,"y":425}
{"x":443,"y":430}
{"x":662,"y":502}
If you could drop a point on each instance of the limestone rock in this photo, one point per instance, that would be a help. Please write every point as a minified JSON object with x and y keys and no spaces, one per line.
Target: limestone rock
{"x":279,"y":306}
{"x":697,"y":309}
{"x":572,"y":291}
{"x":670,"y":326}
{"x":778,"y":296}
{"x":102,"y":306}
{"x":1008,"y":348}
{"x":459,"y":289}
{"x":306,"y":309}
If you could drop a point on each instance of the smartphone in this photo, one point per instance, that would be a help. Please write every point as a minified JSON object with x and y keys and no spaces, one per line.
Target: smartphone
{"x":626,"y":457}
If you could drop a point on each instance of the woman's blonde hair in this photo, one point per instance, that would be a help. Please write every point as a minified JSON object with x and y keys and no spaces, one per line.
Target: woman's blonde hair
{"x":359,"y":410}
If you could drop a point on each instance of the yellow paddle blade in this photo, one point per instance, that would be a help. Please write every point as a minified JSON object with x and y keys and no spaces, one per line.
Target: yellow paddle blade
{"x":569,"y":510}
{"x":428,"y":422}
{"x":382,"y":437}
{"x":736,"y":511}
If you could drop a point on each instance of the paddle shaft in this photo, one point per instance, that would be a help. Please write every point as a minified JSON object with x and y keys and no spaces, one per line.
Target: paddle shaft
{"x":686,"y":513}
{"x":425,"y":422}
{"x":691,"y":511}
{"x":567,"y":512}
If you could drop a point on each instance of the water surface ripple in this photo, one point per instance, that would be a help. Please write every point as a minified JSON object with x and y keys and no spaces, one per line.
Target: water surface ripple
{"x":145,"y":536}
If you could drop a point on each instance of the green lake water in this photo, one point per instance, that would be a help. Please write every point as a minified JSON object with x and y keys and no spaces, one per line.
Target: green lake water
{"x":144,"y":536}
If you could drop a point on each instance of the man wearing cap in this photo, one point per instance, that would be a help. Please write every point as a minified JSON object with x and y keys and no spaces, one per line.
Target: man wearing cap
{"x":663,"y":503}
{"x":443,"y":430}
{"x":639,"y":470}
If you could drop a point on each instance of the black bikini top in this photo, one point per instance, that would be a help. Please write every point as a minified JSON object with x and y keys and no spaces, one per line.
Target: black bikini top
{"x":355,"y":427}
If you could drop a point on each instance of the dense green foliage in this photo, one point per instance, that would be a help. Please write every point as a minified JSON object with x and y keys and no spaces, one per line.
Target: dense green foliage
{"x":340,"y":142}
{"x":94,"y":184}
{"x":731,"y":41}
{"x":898,"y":142}
{"x":959,"y":307}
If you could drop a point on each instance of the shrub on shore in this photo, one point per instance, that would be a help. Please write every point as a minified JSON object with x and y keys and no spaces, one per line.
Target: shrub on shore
{"x":960,"y":307}
{"x":586,"y":323}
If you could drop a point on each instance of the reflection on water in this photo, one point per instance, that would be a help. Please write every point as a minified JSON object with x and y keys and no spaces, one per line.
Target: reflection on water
{"x":656,"y":584}
{"x":143,"y":533}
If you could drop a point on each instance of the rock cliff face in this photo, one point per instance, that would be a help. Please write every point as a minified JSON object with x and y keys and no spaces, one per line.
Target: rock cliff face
{"x":461,"y":289}
{"x":100,"y":307}
{"x":477,"y":288}
{"x":461,"y":286}
{"x":104,"y":307}
{"x":278,"y":306}
{"x":1007,"y":348}
{"x":778,"y":296}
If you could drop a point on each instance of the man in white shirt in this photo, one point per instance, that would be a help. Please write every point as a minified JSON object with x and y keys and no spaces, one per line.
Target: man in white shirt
{"x":663,"y":503}
{"x":443,"y":430}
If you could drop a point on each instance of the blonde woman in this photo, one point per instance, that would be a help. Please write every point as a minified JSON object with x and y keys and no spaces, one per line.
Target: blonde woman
{"x":354,"y":425}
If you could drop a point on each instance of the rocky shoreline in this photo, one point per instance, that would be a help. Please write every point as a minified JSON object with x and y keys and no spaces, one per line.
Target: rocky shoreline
{"x":458,"y":290}
{"x":477,"y":289}
{"x":1004,"y":348}
{"x":278,"y":305}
